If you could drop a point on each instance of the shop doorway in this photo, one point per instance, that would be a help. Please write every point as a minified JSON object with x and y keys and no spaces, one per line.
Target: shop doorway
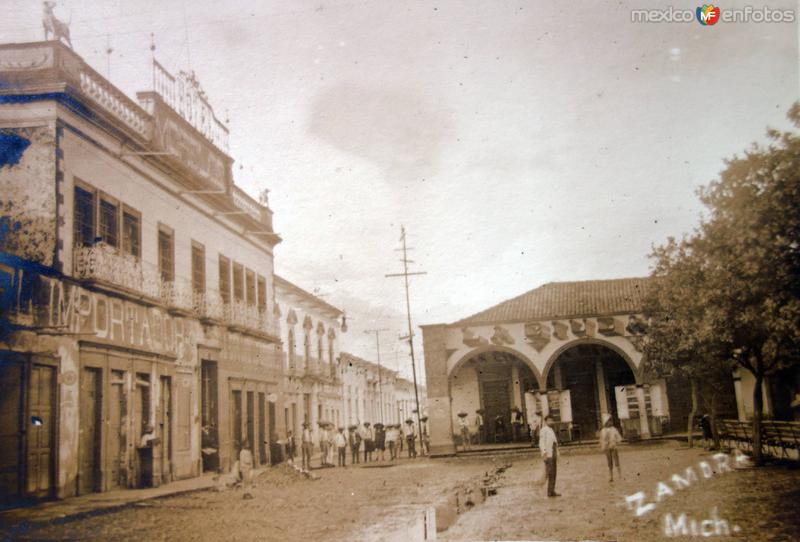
{"x":89,"y":432}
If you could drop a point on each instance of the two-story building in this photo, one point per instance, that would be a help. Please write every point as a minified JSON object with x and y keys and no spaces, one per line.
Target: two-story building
{"x":135,"y":283}
{"x":309,"y":329}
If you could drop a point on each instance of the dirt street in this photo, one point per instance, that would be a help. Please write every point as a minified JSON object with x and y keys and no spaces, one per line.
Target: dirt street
{"x":389,"y":503}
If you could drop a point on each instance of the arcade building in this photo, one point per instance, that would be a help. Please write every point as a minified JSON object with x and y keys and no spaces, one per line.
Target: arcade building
{"x":569,"y":349}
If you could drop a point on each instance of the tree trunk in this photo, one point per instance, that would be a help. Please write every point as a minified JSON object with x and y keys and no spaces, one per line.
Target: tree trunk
{"x":692,"y":413}
{"x":714,"y":407}
{"x":758,"y":407}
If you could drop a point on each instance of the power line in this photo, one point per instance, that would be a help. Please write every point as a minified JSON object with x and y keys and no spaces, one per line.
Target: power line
{"x":405,"y":274}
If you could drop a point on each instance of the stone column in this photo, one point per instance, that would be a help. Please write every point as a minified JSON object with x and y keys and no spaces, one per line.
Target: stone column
{"x":438,"y":387}
{"x":601,"y":388}
{"x":643,"y":422}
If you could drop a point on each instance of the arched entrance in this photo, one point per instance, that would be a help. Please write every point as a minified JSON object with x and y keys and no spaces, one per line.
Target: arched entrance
{"x":494,"y":381}
{"x":590,"y":372}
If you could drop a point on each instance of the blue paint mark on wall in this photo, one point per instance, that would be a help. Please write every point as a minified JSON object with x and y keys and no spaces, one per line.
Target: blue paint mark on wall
{"x":12,"y":147}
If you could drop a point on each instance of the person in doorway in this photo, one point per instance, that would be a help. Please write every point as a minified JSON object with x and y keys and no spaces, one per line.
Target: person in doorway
{"x":307,"y":446}
{"x":609,"y":440}
{"x":548,"y":444}
{"x":479,"y":426}
{"x":463,"y":429}
{"x":246,"y":464}
{"x":145,"y":449}
{"x":341,"y":447}
{"x":380,"y":441}
{"x":499,"y":429}
{"x":410,"y":438}
{"x":516,"y":424}
{"x":355,"y":443}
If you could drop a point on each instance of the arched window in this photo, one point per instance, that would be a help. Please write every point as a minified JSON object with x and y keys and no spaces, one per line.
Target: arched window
{"x":291,"y":346}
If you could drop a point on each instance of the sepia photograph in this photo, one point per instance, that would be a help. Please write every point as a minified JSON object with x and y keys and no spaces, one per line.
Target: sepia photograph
{"x":399,"y":270}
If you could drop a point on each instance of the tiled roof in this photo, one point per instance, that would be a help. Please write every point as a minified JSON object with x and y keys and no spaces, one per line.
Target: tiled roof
{"x":567,"y":299}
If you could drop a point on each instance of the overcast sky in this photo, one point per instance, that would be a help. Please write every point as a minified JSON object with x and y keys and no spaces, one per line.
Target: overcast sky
{"x":519,"y":142}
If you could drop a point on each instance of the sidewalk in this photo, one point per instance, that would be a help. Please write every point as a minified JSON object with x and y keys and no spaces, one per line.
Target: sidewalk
{"x":72,"y":508}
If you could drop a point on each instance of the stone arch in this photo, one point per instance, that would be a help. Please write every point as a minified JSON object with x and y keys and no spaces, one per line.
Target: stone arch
{"x":588,"y":340}
{"x":495,"y":348}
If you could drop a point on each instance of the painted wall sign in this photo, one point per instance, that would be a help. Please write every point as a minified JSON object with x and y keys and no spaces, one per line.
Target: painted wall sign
{"x":69,"y":307}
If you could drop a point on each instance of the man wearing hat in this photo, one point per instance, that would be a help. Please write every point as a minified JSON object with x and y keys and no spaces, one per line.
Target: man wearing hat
{"x":307,"y":446}
{"x":341,"y":447}
{"x":411,"y":436}
{"x":354,"y":439}
{"x":549,"y":447}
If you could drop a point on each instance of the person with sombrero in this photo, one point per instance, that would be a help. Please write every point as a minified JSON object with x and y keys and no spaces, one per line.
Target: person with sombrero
{"x":380,"y":441}
{"x":411,"y":436}
{"x":392,"y":436}
{"x":368,"y":436}
{"x":463,"y":425}
{"x":354,"y":439}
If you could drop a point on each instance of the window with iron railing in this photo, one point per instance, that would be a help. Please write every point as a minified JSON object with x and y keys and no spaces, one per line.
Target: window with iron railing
{"x":262,"y":293}
{"x":198,"y":268}
{"x":238,"y":282}
{"x":83,"y":217}
{"x":109,"y":222}
{"x":131,"y":233}
{"x":166,"y":254}
{"x":225,"y":279}
{"x":250,"y":287}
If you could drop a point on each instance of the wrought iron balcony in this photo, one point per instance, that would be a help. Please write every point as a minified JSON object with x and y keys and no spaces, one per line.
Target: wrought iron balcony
{"x":102,"y":263}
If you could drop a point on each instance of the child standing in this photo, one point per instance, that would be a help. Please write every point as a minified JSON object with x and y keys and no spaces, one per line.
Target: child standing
{"x":609,"y":440}
{"x":246,"y":464}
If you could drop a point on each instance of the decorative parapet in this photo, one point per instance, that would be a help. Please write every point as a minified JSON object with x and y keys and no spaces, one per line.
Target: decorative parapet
{"x":46,"y":67}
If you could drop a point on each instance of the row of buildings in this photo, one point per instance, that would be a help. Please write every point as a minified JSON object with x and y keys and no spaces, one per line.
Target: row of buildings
{"x":138,"y":293}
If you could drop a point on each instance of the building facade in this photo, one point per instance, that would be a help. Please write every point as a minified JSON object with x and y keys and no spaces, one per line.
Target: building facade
{"x":135,"y":279}
{"x":572,"y":350}
{"x":312,"y":383}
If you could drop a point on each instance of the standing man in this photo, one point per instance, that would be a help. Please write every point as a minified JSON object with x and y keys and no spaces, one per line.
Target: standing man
{"x":411,"y":436}
{"x":549,"y":447}
{"x":355,"y":443}
{"x":425,"y":438}
{"x":479,"y":426}
{"x":323,"y":444}
{"x":341,"y":447}
{"x":307,"y":446}
{"x":463,"y":425}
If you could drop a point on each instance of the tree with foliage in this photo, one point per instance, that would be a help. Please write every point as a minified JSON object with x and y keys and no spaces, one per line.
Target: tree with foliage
{"x":731,"y":290}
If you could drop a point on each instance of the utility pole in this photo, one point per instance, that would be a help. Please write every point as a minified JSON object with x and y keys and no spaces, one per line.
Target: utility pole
{"x":377,"y":333}
{"x":405,"y":274}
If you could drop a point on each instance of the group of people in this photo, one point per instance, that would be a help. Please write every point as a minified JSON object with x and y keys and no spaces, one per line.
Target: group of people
{"x":370,"y":440}
{"x":477,"y":430}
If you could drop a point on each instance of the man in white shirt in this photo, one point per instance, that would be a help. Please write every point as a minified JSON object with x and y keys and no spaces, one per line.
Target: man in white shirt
{"x":307,"y":446}
{"x":549,"y":447}
{"x":341,"y":447}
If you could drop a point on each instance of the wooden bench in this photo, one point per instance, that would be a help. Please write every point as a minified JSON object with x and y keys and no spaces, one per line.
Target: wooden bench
{"x":777,"y":437}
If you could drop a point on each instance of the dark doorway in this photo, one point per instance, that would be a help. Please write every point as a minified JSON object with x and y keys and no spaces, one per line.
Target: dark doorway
{"x":236,"y":400}
{"x":251,"y":425}
{"x":89,"y":433}
{"x":261,"y":445}
{"x":117,"y":430}
{"x":209,"y":418}
{"x":165,"y":428}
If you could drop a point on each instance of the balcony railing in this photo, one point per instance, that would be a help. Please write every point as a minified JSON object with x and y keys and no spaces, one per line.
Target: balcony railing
{"x":102,"y":263}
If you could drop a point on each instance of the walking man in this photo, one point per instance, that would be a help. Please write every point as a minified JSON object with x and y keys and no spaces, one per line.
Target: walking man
{"x":307,"y":446}
{"x":549,"y":447}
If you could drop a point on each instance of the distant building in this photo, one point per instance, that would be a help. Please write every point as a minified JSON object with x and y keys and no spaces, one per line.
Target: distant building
{"x":310,"y":330}
{"x":135,"y":281}
{"x":569,"y":349}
